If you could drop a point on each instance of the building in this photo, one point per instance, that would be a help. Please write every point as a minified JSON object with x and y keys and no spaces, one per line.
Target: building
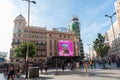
{"x":4,"y":57}
{"x":4,"y":54}
{"x":47,"y":42}
{"x":114,"y":43}
{"x":75,"y":27}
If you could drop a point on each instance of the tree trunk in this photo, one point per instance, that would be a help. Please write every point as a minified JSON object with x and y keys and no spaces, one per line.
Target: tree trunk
{"x":26,"y":68}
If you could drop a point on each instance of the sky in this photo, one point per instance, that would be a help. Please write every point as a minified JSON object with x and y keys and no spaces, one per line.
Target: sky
{"x":57,"y":13}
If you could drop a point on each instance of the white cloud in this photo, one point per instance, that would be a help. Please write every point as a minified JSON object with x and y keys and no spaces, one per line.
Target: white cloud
{"x":92,"y":31}
{"x":97,"y":26}
{"x":101,"y":7}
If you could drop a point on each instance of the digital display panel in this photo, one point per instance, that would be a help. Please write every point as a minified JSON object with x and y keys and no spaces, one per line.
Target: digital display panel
{"x":65,"y":48}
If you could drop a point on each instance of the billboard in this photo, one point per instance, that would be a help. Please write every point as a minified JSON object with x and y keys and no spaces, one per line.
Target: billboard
{"x":65,"y":48}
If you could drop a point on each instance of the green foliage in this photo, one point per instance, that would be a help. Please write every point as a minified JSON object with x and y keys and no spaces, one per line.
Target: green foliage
{"x":99,"y":46}
{"x":21,"y":50}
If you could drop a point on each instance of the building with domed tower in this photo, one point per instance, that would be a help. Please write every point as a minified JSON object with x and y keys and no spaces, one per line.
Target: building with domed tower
{"x":37,"y":35}
{"x":48,"y":43}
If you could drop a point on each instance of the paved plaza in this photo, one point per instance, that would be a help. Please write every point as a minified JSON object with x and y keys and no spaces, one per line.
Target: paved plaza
{"x":94,"y":74}
{"x":112,"y":73}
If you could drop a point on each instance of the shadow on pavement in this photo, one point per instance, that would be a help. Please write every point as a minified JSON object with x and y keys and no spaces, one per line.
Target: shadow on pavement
{"x":40,"y":78}
{"x":101,"y":73}
{"x":66,"y":72}
{"x":106,"y":74}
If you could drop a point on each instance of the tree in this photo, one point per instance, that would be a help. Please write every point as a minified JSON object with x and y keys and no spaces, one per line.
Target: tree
{"x":21,"y":50}
{"x":100,"y":47}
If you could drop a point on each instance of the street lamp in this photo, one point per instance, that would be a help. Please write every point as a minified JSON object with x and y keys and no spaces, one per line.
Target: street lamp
{"x":112,"y":26}
{"x":29,"y":1}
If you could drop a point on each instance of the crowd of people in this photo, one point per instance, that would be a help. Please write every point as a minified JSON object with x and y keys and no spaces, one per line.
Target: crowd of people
{"x":12,"y":71}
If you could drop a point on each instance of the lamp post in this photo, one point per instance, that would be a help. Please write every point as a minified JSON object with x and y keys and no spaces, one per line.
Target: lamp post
{"x":27,"y":52}
{"x":112,"y":27}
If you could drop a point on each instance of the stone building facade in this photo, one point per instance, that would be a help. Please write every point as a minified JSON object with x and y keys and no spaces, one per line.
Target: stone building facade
{"x":46,"y":41}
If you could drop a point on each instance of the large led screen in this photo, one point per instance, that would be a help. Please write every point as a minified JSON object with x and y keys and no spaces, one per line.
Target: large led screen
{"x":65,"y":48}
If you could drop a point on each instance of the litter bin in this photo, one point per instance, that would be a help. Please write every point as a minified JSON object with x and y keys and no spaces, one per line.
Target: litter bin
{"x":33,"y":72}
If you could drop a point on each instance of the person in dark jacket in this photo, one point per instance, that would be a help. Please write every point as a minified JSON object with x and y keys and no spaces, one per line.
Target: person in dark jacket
{"x":46,"y":68}
{"x":11,"y":73}
{"x":63,"y":67}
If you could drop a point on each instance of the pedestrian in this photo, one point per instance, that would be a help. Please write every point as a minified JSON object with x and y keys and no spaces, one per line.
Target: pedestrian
{"x":46,"y":67}
{"x":109,"y":61}
{"x":63,"y":67}
{"x":77,"y":66}
{"x":99,"y":62}
{"x":41,"y":68}
{"x":72,"y":67}
{"x":11,"y":73}
{"x":81,"y":65}
{"x":94,"y":63}
{"x":91,"y":63}
{"x":6,"y":71}
{"x":17,"y":71}
{"x":86,"y":66}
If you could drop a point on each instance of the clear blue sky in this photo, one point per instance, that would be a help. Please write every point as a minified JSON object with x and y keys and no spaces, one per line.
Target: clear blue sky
{"x":57,"y":13}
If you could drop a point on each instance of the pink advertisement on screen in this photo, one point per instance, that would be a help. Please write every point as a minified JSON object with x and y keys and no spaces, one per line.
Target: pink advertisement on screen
{"x":65,"y":48}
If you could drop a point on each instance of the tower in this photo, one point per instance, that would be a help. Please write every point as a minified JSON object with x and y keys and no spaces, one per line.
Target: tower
{"x":19,"y":23}
{"x":74,"y":26}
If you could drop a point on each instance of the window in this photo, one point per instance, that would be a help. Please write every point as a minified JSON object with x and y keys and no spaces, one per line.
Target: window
{"x":60,"y":35}
{"x":118,"y":11}
{"x":25,"y":30}
{"x":68,"y":36}
{"x":18,"y":35}
{"x":50,"y":45}
{"x":50,"y":54}
{"x":50,"y":35}
{"x":19,"y":30}
{"x":64,"y":36}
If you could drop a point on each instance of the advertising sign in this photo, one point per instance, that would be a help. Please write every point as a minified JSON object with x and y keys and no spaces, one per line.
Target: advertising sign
{"x":65,"y":48}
